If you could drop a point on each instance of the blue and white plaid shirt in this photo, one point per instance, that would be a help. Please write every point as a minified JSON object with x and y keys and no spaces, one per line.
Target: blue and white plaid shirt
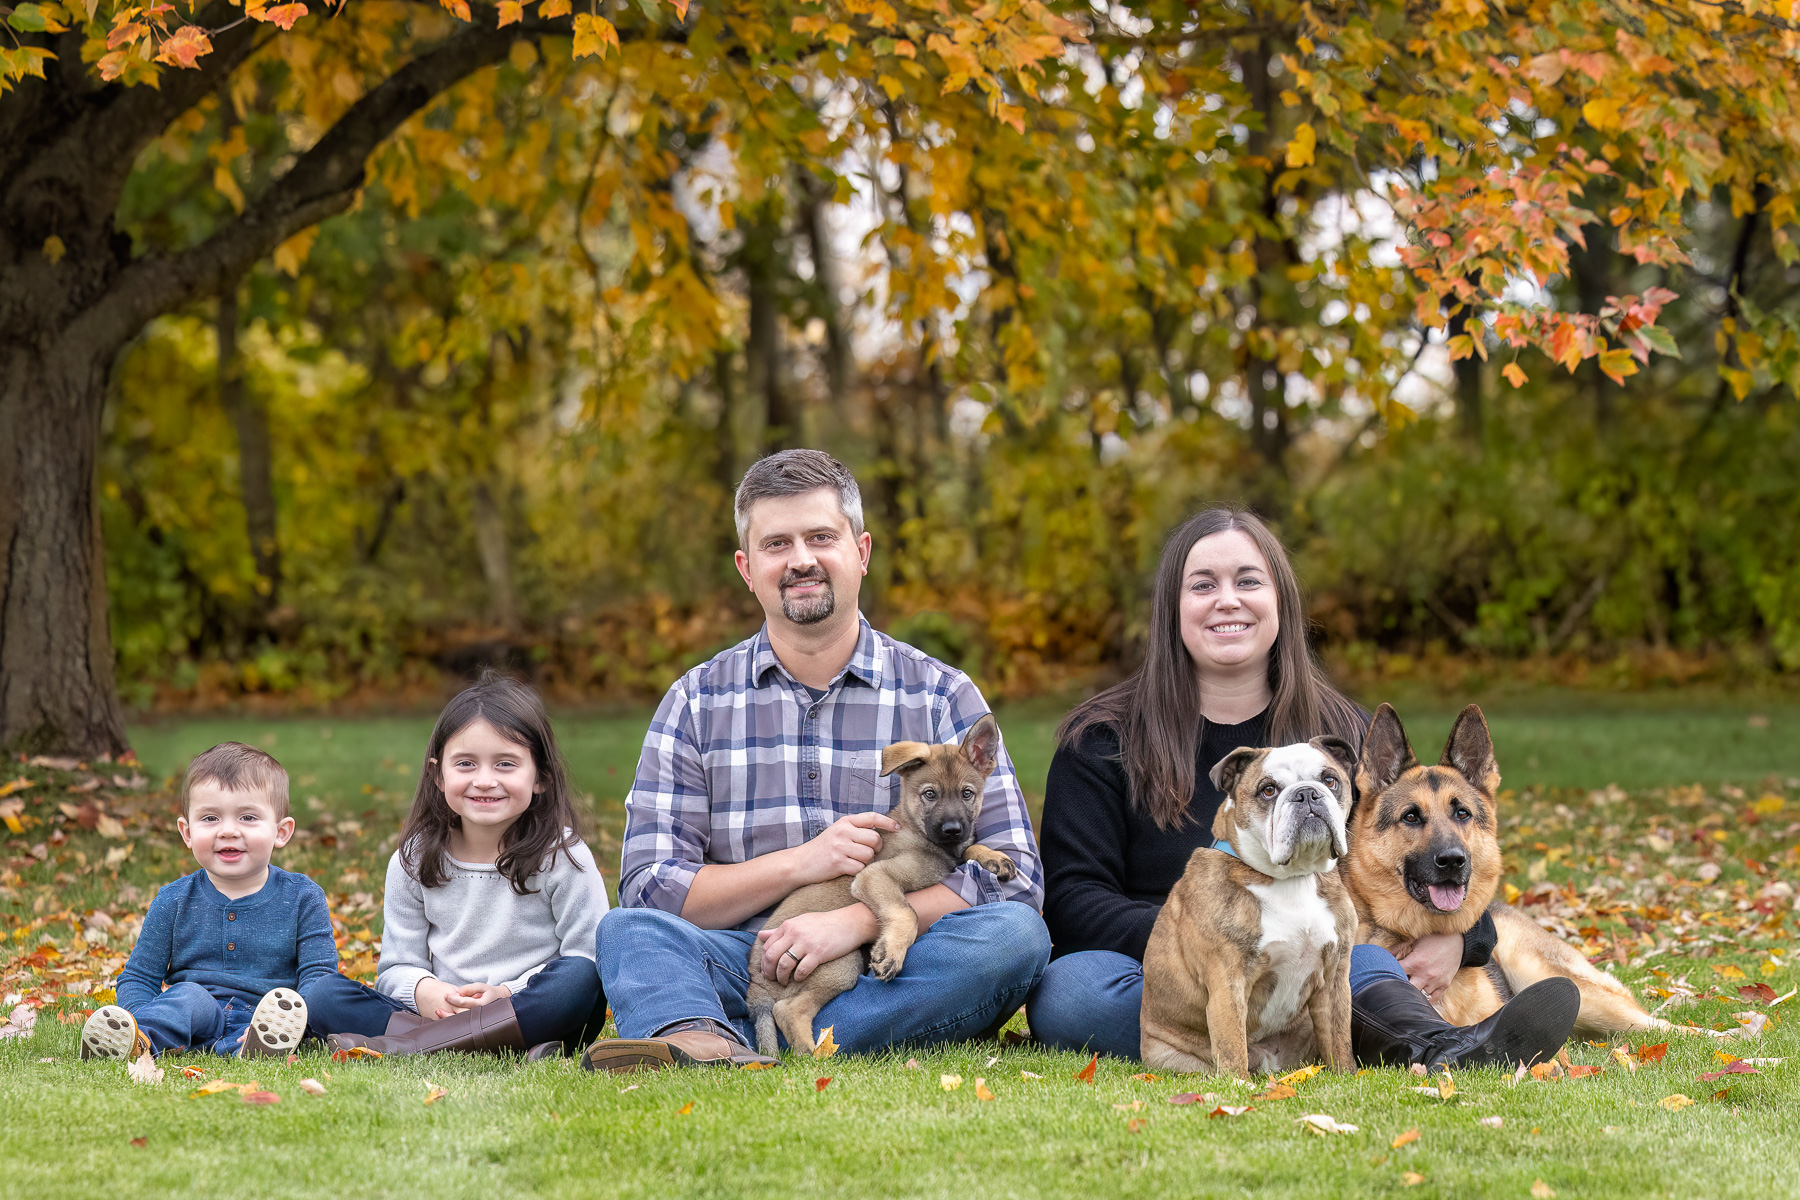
{"x":741,"y":760}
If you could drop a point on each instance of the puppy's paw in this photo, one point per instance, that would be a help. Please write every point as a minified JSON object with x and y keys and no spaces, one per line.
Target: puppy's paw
{"x":884,"y":963}
{"x":1003,"y":868}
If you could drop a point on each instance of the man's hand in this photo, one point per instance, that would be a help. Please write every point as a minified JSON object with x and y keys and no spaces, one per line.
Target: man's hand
{"x":1433,"y":962}
{"x":474,"y":995}
{"x":846,"y":847}
{"x":799,"y":945}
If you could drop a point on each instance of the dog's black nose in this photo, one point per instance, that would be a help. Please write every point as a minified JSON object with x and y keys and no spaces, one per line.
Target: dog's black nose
{"x":1452,"y":858}
{"x":950,"y":831}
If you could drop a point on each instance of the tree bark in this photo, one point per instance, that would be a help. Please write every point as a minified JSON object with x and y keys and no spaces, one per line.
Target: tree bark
{"x":255,"y":467}
{"x":496,"y":562}
{"x":56,"y":653}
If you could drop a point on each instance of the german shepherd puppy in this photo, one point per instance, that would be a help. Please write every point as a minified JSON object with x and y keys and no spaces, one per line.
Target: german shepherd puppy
{"x":940,"y":803}
{"x":1425,"y":858}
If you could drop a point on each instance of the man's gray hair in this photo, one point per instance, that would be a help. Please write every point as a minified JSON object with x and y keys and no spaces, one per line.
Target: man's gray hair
{"x":794,"y":473}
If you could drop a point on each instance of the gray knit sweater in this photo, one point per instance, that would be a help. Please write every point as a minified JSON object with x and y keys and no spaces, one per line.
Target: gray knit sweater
{"x":476,"y":929}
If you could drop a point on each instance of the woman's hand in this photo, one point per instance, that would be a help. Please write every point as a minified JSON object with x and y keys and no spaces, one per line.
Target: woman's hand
{"x":474,"y":995}
{"x":799,"y":945}
{"x":429,"y":997}
{"x":1433,"y":962}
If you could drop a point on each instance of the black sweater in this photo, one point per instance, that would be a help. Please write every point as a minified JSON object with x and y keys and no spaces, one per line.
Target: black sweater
{"x":1108,"y":868}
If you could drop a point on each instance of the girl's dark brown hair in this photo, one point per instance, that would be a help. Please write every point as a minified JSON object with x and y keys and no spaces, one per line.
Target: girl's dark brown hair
{"x":530,"y":843}
{"x":1156,"y":711}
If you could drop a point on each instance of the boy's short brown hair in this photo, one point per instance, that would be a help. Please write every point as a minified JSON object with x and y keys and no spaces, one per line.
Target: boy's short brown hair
{"x":236,"y":767}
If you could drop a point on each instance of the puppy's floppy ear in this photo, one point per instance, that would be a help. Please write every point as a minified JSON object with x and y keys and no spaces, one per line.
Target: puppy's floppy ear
{"x":1336,"y":749}
{"x":1471,"y":751}
{"x":981,"y":745}
{"x":901,"y":755}
{"x":1225,"y":772}
{"x":1386,"y":754}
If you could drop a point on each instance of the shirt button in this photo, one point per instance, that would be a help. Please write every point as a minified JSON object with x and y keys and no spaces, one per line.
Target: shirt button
{"x":812,"y":774}
{"x":231,"y":916}
{"x":814,"y":711}
{"x":231,"y":945}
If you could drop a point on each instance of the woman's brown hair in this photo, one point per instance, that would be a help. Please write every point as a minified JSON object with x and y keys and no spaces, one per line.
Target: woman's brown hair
{"x":1156,"y":710}
{"x":547,"y":826}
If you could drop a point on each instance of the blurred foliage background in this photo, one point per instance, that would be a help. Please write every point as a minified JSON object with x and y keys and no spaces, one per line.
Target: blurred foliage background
{"x":495,"y":412}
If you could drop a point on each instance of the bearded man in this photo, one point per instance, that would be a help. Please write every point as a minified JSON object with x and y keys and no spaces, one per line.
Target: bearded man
{"x":761,"y":773}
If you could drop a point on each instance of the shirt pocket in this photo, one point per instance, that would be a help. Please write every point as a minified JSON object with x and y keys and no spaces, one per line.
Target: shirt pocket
{"x":866,"y":788}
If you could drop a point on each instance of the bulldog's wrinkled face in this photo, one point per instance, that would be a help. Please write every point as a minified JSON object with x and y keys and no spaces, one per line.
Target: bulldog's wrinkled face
{"x":1285,"y":809}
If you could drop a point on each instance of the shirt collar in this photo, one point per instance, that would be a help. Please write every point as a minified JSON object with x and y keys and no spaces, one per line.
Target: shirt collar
{"x":865,"y":661}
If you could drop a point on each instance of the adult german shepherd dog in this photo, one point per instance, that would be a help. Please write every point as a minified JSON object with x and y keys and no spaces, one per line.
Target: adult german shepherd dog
{"x":1425,"y":858}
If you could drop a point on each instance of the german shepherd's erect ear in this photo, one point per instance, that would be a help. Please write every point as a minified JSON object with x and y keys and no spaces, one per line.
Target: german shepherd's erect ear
{"x":981,"y":745}
{"x":1386,"y":754}
{"x":1471,"y":751}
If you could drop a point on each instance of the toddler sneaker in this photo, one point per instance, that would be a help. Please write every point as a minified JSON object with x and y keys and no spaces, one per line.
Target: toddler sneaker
{"x":276,"y":1026}
{"x":111,"y":1032}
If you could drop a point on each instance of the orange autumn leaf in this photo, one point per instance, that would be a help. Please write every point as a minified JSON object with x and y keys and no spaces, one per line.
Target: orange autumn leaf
{"x":1086,"y":1074}
{"x":1405,"y":1139}
{"x":354,"y":1052}
{"x":261,"y":1098}
{"x":1279,"y":1091}
{"x":823,"y":1082}
{"x":1650,"y":1054}
{"x":1146,"y":1077}
{"x":213,"y":1088}
{"x":825,"y":1047}
{"x":183,"y":47}
{"x":1136,"y":1124}
{"x":282,"y":16}
{"x":192,"y":1073}
{"x":435,"y":1094}
{"x":1514,"y":374}
{"x":982,"y":1091}
{"x":1231,"y":1110}
{"x":685,"y":1109}
{"x":1581,"y":1070}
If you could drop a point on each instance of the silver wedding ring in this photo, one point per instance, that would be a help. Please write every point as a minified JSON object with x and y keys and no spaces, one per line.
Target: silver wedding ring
{"x":792,"y":955}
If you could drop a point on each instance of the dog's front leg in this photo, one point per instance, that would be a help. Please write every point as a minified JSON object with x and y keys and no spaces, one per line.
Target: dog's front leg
{"x":1227,"y":1018}
{"x":997,"y":863}
{"x":899,"y":923}
{"x":1330,"y":1008}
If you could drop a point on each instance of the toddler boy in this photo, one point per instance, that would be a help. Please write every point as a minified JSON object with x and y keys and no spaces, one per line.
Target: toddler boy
{"x":234,"y":941}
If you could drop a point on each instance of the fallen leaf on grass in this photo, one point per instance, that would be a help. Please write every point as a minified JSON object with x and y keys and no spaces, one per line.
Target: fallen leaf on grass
{"x":982,"y":1092}
{"x":1300,"y":1076}
{"x":1750,"y":1024}
{"x":1279,"y":1091}
{"x":1729,"y":971}
{"x":825,"y":1047}
{"x":261,"y":1098}
{"x":912,"y":1064}
{"x":1405,"y":1139}
{"x":212,"y":1088}
{"x":1736,"y":1068}
{"x":685,"y":1109}
{"x":1029,"y":1075}
{"x":1650,"y":1054}
{"x":992,"y":1059}
{"x":1231,"y":1110}
{"x":1013,"y":1037}
{"x":1446,"y":1086}
{"x":1146,"y":1077}
{"x":1675,"y":1103}
{"x":354,"y":1052}
{"x":1721,"y":1093}
{"x":822,"y":1082}
{"x":192,"y":1073}
{"x":1419,"y":1069}
{"x":1719,"y":1056}
{"x":1086,"y":1074}
{"x":144,"y":1070}
{"x":1760,"y":992}
{"x":21,"y":1023}
{"x":1547,"y":1070}
{"x":312,"y":1087}
{"x":1784,"y":997}
{"x":1323,"y":1123}
{"x":1136,"y":1124}
{"x":1764,"y":1062}
{"x":1542,"y":1190}
{"x":1134,"y":1106}
{"x":1426,"y":1091}
{"x":754,"y":1066}
{"x":1411,"y":1179}
{"x":1185,"y":1098}
{"x":949,"y":1082}
{"x":435,"y":1094}
{"x":140,"y":1142}
{"x":1491,"y":1122}
{"x":1624,"y":1060}
{"x":1581,"y":1070}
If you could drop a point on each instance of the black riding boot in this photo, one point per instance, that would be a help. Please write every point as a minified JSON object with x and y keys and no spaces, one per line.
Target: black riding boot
{"x":1391,"y":1022}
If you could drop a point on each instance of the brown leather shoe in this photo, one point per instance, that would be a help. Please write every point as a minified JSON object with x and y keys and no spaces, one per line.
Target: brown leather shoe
{"x":490,"y":1027}
{"x":544,"y":1051}
{"x":685,"y":1048}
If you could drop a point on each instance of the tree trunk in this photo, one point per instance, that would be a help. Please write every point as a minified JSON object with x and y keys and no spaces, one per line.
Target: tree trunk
{"x":255,"y":469}
{"x":56,"y":654}
{"x":496,"y":562}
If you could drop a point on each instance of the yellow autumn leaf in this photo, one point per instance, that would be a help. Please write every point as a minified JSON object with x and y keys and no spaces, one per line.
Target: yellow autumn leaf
{"x":54,"y":251}
{"x":291,"y":254}
{"x":949,"y":1082}
{"x":825,"y":1047}
{"x":1412,"y":1179}
{"x":1675,"y":1103}
{"x":1300,"y":1076}
{"x":1300,"y":149}
{"x":1769,"y":804}
{"x":1405,"y":1139}
{"x":436,"y":1094}
{"x":511,"y":12}
{"x":1602,"y":113}
{"x":1729,"y":971}
{"x":1542,"y":1191}
{"x":594,"y":35}
{"x":981,"y":1089}
{"x":213,"y":1088}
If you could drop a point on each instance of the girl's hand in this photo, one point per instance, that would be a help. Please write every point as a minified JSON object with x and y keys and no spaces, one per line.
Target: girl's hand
{"x":1433,"y":962}
{"x":430,"y":997}
{"x":799,"y":945}
{"x":474,"y":995}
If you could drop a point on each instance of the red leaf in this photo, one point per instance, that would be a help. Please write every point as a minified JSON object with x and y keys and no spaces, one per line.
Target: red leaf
{"x":1185,"y":1098}
{"x":1086,"y":1074}
{"x":261,"y":1098}
{"x":1736,"y":1068}
{"x":1760,"y":992}
{"x":1652,"y":1053}
{"x":139,"y":1142}
{"x":1580,"y":1069}
{"x":822,"y":1083}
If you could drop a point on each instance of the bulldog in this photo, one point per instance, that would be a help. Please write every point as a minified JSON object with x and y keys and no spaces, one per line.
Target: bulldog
{"x":1248,"y":965}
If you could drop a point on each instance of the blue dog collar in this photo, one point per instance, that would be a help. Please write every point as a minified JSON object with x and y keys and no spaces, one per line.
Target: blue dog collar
{"x":1222,"y":844}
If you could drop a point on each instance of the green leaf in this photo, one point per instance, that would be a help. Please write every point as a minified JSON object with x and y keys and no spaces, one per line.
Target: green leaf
{"x":1659,"y":340}
{"x":27,"y":18}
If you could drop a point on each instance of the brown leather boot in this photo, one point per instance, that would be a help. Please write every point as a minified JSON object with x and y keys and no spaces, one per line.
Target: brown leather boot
{"x":491,"y":1027}
{"x":678,"y":1047}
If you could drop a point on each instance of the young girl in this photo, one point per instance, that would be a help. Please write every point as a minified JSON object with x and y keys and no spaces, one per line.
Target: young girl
{"x":492,"y":900}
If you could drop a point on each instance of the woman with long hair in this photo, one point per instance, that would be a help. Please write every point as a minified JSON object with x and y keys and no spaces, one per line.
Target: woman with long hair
{"x":1129,"y":800}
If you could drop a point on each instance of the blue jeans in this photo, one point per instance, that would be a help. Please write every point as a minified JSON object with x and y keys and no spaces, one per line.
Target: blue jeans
{"x":186,"y":1014}
{"x":561,"y":1003}
{"x":966,"y":974}
{"x":1089,"y":1000}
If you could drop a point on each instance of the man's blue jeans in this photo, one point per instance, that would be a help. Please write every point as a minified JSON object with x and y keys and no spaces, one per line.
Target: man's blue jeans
{"x":966,"y":974}
{"x":186,"y":1014}
{"x":1090,"y":1000}
{"x":561,"y":1003}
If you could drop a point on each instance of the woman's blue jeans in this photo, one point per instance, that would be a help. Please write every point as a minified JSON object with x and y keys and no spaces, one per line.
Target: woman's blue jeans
{"x":1089,"y":1000}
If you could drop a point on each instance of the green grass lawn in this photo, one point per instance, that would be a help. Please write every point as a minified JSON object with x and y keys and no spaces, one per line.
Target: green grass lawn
{"x":1590,"y":863}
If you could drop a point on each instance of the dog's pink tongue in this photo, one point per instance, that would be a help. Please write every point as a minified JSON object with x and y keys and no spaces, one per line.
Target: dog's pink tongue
{"x":1447,"y":899}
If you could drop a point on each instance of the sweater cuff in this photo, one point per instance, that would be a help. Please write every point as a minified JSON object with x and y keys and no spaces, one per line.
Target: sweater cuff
{"x":400,"y":982}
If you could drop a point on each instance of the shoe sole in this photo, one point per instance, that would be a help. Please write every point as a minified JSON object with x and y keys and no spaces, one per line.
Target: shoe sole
{"x":111,"y":1032}
{"x":624,"y":1055}
{"x":1552,"y":1003}
{"x":276,"y":1027}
